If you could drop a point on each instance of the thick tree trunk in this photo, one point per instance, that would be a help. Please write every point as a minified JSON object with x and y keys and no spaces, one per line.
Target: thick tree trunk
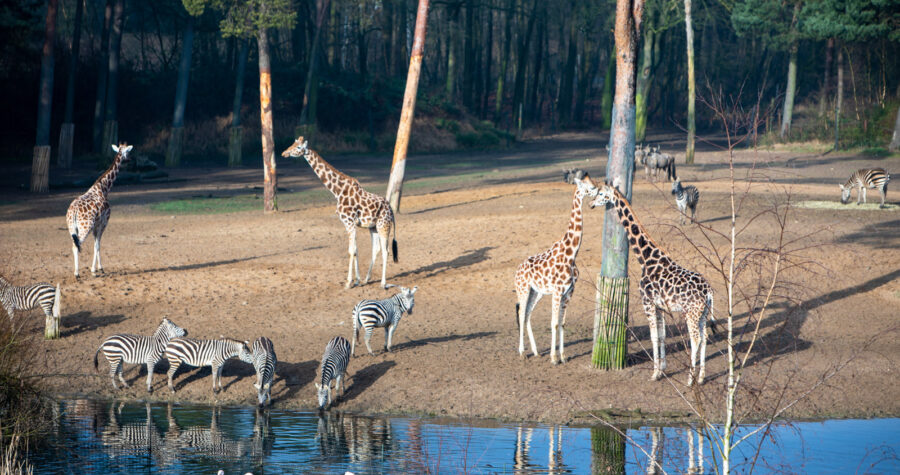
{"x":308,"y":112}
{"x":469,"y":67}
{"x":524,"y":44}
{"x":398,"y":167}
{"x":504,"y":59}
{"x":40,"y":167}
{"x":586,"y":78}
{"x":176,"y":139}
{"x":791,"y":79}
{"x":692,"y":92}
{"x":610,"y":323}
{"x":568,"y":78}
{"x":533,"y":106}
{"x":644,"y":80}
{"x":823,"y":94}
{"x":606,"y":97}
{"x":452,"y":47}
{"x":488,"y":59}
{"x":839,"y":96}
{"x":102,"y":76}
{"x":619,"y":172}
{"x":111,"y":124}
{"x":67,"y":131}
{"x":270,"y":178}
{"x":895,"y":140}
{"x":387,"y":16}
{"x":235,"y":142}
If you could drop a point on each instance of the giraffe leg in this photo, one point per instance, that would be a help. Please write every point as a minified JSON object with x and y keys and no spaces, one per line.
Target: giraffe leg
{"x":554,"y":326}
{"x":522,"y":298}
{"x":95,"y":263}
{"x":661,"y":330}
{"x":352,"y":250}
{"x":562,"y":325}
{"x":375,"y":249}
{"x":651,"y":312}
{"x":75,"y":254}
{"x":383,"y":235}
{"x":533,"y":298}
{"x":702,"y":374}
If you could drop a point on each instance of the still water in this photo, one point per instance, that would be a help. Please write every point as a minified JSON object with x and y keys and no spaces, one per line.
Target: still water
{"x":106,"y":437}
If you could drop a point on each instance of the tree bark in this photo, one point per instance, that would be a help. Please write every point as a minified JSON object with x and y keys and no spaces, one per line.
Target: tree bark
{"x":533,"y":106}
{"x":839,"y":96}
{"x":102,"y":76}
{"x":610,"y":323}
{"x":568,"y":78}
{"x":308,"y":112}
{"x":895,"y":140}
{"x":692,"y":93}
{"x":524,"y":44}
{"x":270,"y":178}
{"x":823,"y":94}
{"x":504,"y":59}
{"x":67,"y":131}
{"x":452,"y":47}
{"x":606,"y":97}
{"x":111,"y":124}
{"x":398,"y":167}
{"x":176,"y":138}
{"x":40,"y":167}
{"x":791,"y":79}
{"x":235,"y":142}
{"x":488,"y":59}
{"x":644,"y":80}
{"x":620,"y":173}
{"x":469,"y":65}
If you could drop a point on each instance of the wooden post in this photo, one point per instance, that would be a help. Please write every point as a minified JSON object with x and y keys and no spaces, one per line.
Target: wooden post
{"x":51,"y":328}
{"x":235,"y":143}
{"x":398,"y":167}
{"x":40,"y":169}
{"x":610,"y":323}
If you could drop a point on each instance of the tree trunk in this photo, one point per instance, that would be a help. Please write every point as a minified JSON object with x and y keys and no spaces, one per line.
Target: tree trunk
{"x":176,"y":139}
{"x":111,"y":124}
{"x":524,"y":44}
{"x":270,"y":178}
{"x":644,"y":80}
{"x":452,"y":47}
{"x":823,"y":94}
{"x":839,"y":97}
{"x":102,"y":76}
{"x":504,"y":59}
{"x":308,"y":112}
{"x":67,"y":131}
{"x":895,"y":140}
{"x":235,"y":142}
{"x":488,"y":59}
{"x":606,"y":98}
{"x":387,"y":16}
{"x":620,"y":171}
{"x":610,"y":323}
{"x":398,"y":167}
{"x":533,"y":106}
{"x":40,"y":167}
{"x":469,"y":67}
{"x":586,"y":77}
{"x":791,"y":79}
{"x":691,"y":114}
{"x":568,"y":78}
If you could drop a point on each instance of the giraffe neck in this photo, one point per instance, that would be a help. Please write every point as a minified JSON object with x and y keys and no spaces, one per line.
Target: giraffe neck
{"x":572,"y":239}
{"x":639,"y":241}
{"x":333,"y":179}
{"x":105,"y":182}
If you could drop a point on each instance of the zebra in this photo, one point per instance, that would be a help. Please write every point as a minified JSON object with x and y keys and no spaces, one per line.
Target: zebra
{"x":685,"y":197}
{"x":371,"y":314}
{"x":655,"y":161}
{"x":334,"y":367}
{"x":211,"y":353}
{"x":137,"y":349}
{"x":865,"y":178}
{"x":264,"y":361}
{"x":29,"y":297}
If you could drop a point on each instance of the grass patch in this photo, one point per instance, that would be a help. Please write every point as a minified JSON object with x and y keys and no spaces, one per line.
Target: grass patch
{"x":836,"y":205}
{"x":7,"y":203}
{"x":210,"y":204}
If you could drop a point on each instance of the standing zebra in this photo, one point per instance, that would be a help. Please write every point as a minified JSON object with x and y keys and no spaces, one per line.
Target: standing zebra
{"x":371,"y":314}
{"x":264,"y":361}
{"x":211,"y":353}
{"x":685,"y":197}
{"x":865,"y":178}
{"x":29,"y":297}
{"x":334,"y":367}
{"x":137,"y":349}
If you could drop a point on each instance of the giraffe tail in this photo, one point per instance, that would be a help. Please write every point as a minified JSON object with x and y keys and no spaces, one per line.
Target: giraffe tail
{"x":56,"y":303}
{"x":517,"y":316}
{"x":74,"y":230}
{"x":394,"y":244}
{"x":711,"y":318}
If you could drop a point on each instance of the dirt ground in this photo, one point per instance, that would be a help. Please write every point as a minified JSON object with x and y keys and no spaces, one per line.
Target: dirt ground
{"x":467,"y":221}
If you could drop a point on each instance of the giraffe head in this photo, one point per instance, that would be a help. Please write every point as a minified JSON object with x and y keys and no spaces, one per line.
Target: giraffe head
{"x":122,"y":149}
{"x":297,"y":149}
{"x":605,"y":195}
{"x":845,"y":193}
{"x":585,"y":188}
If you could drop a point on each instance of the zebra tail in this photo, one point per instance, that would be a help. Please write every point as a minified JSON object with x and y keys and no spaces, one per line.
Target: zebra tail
{"x":672,"y":174}
{"x":711,"y":321}
{"x":96,"y":365}
{"x":56,"y":303}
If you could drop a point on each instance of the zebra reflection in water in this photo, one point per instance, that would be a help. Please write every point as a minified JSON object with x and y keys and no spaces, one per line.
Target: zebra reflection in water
{"x":354,"y":439}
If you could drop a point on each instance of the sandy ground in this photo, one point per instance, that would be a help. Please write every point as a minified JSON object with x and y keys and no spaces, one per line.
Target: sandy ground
{"x":467,"y":221}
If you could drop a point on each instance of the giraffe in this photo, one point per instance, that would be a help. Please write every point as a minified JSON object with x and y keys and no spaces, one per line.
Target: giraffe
{"x":90,"y":211}
{"x":664,"y":285}
{"x":553,"y":272}
{"x":356,"y":207}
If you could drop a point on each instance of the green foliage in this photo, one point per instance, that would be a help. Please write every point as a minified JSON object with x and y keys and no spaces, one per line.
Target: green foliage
{"x":767,"y":19}
{"x":245,"y":18}
{"x":848,"y":20}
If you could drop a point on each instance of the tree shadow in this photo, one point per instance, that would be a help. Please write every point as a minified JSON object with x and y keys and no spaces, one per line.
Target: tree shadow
{"x":439,"y":339}
{"x":453,"y":205}
{"x":365,"y":378}
{"x":201,"y":265}
{"x":713,"y":220}
{"x":294,"y":376}
{"x":82,"y":322}
{"x":878,"y":235}
{"x":470,"y":257}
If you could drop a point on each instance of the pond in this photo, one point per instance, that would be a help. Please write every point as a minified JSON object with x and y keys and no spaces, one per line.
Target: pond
{"x":109,"y":437}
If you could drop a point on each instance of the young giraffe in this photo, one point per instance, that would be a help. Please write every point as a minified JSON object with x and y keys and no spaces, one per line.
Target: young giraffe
{"x":553,"y":272}
{"x":665,"y":285}
{"x":355,"y":207}
{"x":90,"y":211}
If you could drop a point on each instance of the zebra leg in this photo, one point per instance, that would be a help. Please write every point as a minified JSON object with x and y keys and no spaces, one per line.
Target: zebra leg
{"x":217,"y":375}
{"x":114,"y":367}
{"x":883,"y":191}
{"x":865,"y":194}
{"x":387,"y":338}
{"x":390,"y":336}
{"x":355,"y":336}
{"x":367,"y":338}
{"x":375,"y":248}
{"x":151,"y":366}
{"x":173,"y":367}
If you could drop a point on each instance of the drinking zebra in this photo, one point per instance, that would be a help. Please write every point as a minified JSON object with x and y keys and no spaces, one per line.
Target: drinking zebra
{"x":137,"y":349}
{"x":685,"y":197}
{"x":211,"y":353}
{"x":264,"y":361}
{"x":29,"y":297}
{"x":865,"y":178}
{"x":334,"y":367}
{"x":371,"y":314}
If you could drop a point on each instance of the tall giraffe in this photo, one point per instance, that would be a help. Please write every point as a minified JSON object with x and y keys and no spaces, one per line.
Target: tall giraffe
{"x":553,"y":272}
{"x":90,"y":211}
{"x":664,"y":285}
{"x":356,"y":207}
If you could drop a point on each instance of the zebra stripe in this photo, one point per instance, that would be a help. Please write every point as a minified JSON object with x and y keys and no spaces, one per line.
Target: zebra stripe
{"x":334,"y":366}
{"x":137,"y":349}
{"x":29,"y":297}
{"x":864,"y":178}
{"x":372,"y":314}
{"x":211,"y":353}
{"x":264,"y":361}
{"x":685,"y":197}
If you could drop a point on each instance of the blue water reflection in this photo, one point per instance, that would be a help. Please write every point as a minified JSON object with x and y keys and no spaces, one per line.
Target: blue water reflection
{"x":105,"y":437}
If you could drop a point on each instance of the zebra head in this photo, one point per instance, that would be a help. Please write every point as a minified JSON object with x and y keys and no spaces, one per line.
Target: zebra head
{"x":263,"y":393}
{"x":170,"y":329}
{"x":323,"y":393}
{"x":845,"y":193}
{"x":407,"y":298}
{"x":676,"y":186}
{"x":297,"y":149}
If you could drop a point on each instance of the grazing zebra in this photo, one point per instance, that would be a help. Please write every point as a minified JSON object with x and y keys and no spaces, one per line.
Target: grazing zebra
{"x":685,"y":197}
{"x":334,"y":367}
{"x":264,"y":361}
{"x":371,"y":314}
{"x":137,"y":349}
{"x":211,"y":353}
{"x":865,"y":178}
{"x":28,"y":297}
{"x":655,"y":161}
